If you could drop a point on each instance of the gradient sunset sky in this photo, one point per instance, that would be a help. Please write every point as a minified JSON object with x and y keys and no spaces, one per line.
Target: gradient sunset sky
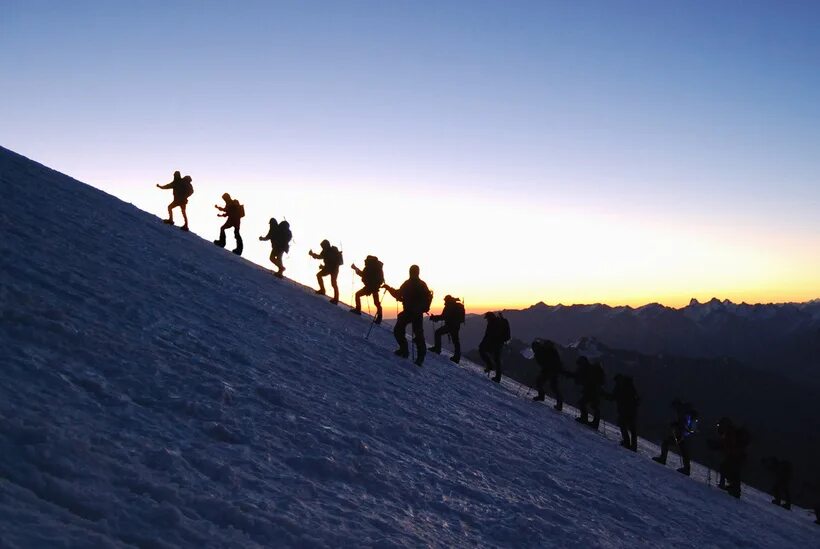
{"x":572,"y":151}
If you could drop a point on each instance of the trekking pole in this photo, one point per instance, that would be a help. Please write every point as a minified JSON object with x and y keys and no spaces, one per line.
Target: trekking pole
{"x":352,"y":287}
{"x":373,"y":319}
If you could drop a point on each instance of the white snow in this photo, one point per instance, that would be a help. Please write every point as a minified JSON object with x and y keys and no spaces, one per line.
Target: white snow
{"x":158,"y":391}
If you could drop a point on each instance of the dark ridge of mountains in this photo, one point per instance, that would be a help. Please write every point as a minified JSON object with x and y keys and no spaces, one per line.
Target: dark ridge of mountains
{"x":780,"y":413}
{"x":778,"y":338}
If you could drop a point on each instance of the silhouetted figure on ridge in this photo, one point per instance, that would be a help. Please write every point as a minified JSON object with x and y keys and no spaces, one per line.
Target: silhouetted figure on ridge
{"x":732,"y":442}
{"x":331,"y":261}
{"x":453,"y":316}
{"x":626,"y":402}
{"x":683,"y":428}
{"x":182,"y":189}
{"x":279,"y":236}
{"x":372,"y":277}
{"x":416,"y":298}
{"x":590,"y":376}
{"x":548,"y":359}
{"x":234,"y":211}
{"x":782,"y":471}
{"x":496,"y":335}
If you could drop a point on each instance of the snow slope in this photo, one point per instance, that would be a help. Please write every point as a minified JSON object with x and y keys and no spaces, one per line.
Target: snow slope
{"x":158,"y":391}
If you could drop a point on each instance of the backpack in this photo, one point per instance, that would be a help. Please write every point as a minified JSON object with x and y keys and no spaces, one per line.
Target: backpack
{"x":596,"y":374}
{"x":546,"y":356}
{"x":235,"y":210}
{"x":428,"y":300}
{"x":334,"y":257}
{"x":630,"y":392}
{"x":283,"y":235}
{"x":459,"y":314}
{"x":187,"y":187}
{"x":690,"y":425}
{"x":373,"y":272}
{"x":503,"y":328}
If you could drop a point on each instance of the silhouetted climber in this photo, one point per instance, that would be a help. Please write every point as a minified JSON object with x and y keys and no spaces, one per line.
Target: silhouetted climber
{"x":590,"y":376}
{"x":416,"y":298}
{"x":332,"y":260}
{"x":453,"y":316}
{"x":234,"y":211}
{"x":279,"y":236}
{"x":495,"y":336}
{"x":782,"y":471}
{"x":626,"y":401}
{"x":549,"y":360}
{"x":372,"y":277}
{"x":682,"y":429}
{"x":183,"y":189}
{"x":732,"y":442}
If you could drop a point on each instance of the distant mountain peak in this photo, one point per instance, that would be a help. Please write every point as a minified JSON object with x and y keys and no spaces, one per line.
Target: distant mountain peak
{"x":588,"y":346}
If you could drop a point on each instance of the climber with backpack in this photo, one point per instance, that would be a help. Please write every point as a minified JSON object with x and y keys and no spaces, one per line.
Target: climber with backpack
{"x":781,"y":469}
{"x":496,"y":335}
{"x":182,"y":189}
{"x":548,"y":359}
{"x":453,"y":316}
{"x":732,"y":442}
{"x":683,"y":428}
{"x":626,"y":403}
{"x":279,"y":236}
{"x":372,"y":277}
{"x":416,"y":298}
{"x":590,"y":376}
{"x":332,"y":259}
{"x":234,"y":211}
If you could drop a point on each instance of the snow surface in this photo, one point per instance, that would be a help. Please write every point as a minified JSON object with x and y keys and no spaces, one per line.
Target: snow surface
{"x":158,"y":391}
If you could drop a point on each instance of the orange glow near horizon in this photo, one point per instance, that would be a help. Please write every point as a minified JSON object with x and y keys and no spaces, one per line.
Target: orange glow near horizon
{"x":500,"y":253}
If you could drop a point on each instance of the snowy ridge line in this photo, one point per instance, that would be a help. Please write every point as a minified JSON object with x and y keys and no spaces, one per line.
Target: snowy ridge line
{"x":699,"y":472}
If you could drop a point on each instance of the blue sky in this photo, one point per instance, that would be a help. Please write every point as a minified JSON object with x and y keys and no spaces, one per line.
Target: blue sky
{"x":695,"y":122}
